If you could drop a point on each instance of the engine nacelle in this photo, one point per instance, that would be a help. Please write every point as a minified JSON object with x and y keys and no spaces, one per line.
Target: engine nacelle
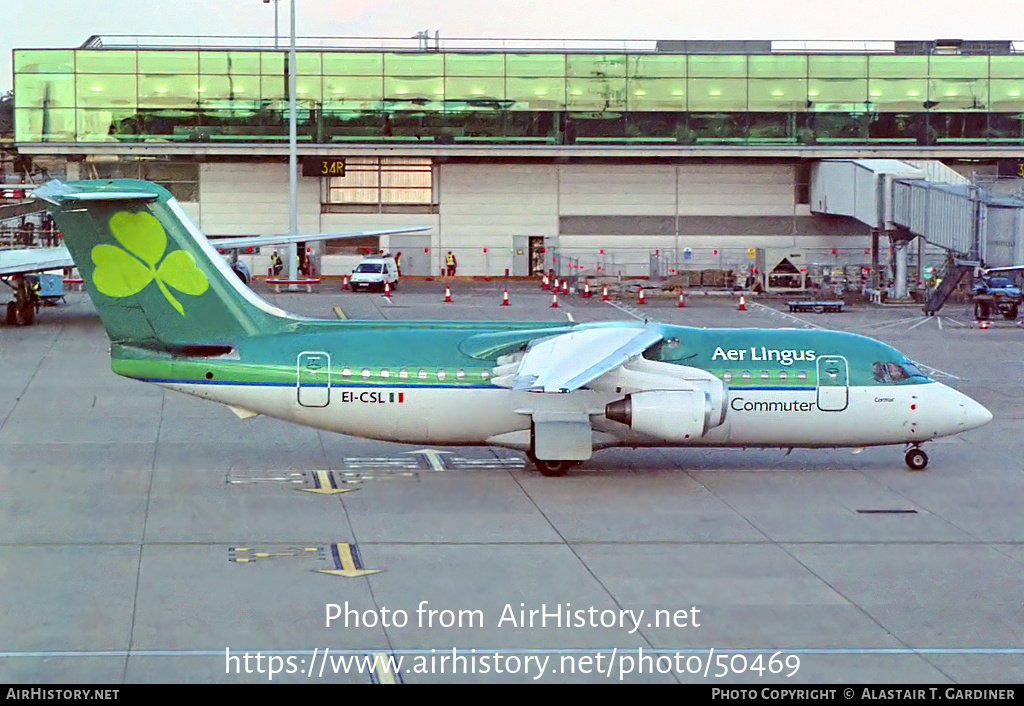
{"x":673,"y":415}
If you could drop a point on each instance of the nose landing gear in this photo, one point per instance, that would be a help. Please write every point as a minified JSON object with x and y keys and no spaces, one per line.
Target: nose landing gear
{"x":916,"y":459}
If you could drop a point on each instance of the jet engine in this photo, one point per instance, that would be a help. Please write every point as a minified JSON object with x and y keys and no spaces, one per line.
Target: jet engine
{"x":673,"y":415}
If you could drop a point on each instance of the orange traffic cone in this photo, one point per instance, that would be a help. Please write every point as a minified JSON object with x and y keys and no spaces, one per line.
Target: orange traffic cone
{"x":545,"y":283}
{"x":586,"y":290}
{"x":504,"y":298}
{"x":604,"y":293}
{"x":387,"y":290}
{"x":743,"y":304}
{"x":554,"y":300}
{"x":565,"y":287}
{"x":984,"y":323}
{"x":344,"y":282}
{"x":641,"y":300}
{"x":682,"y":299}
{"x":557,"y":285}
{"x":447,"y":295}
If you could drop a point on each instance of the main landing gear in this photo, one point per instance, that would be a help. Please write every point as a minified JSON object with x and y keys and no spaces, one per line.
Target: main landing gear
{"x":551,"y":469}
{"x":22,"y":311}
{"x":916,"y":459}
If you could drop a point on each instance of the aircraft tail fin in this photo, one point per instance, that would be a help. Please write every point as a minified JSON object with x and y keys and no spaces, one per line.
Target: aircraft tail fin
{"x":154,"y":277}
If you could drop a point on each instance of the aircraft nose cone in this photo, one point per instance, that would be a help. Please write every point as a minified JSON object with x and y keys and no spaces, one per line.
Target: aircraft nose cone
{"x":974,"y":415}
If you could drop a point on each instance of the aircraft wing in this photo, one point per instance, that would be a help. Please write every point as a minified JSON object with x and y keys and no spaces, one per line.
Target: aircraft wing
{"x":569,"y":361}
{"x":246,"y":241}
{"x":21,"y":261}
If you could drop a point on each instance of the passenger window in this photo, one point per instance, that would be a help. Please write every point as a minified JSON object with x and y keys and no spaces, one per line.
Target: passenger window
{"x":727,"y":375}
{"x":802,"y":375}
{"x":346,"y":372}
{"x":485,"y":374}
{"x":441,"y":375}
{"x":366,"y":373}
{"x":783,"y":375}
{"x":422,"y":375}
{"x":745,"y":375}
{"x":765,"y":375}
{"x":403,"y":374}
{"x":385,"y":373}
{"x":461,"y":375}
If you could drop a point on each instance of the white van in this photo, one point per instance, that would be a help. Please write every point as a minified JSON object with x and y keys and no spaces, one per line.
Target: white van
{"x":373,"y":272}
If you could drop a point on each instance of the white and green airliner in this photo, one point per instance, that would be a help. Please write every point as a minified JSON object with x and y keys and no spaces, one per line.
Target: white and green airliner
{"x":177,"y":317}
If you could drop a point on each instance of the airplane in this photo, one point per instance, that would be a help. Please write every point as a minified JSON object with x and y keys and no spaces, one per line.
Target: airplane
{"x":15,"y":263}
{"x":177,"y":317}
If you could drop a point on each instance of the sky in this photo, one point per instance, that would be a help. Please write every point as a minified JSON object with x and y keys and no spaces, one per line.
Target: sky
{"x":68,"y":23}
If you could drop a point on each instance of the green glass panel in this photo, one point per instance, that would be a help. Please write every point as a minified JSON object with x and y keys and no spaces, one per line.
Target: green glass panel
{"x":1006,"y":95}
{"x":596,"y":94}
{"x":403,"y":88}
{"x":272,"y":63}
{"x":771,"y":95}
{"x":345,"y":89}
{"x":829,"y":66}
{"x":168,"y":62}
{"x":106,"y":124}
{"x":44,"y":90}
{"x":540,"y":93}
{"x":307,"y":88}
{"x":273,"y":88}
{"x":474,"y":89}
{"x":595,"y":65}
{"x":958,"y":94}
{"x":717,"y":65}
{"x":353,"y":64}
{"x":1006,"y":66}
{"x":898,"y":66}
{"x":105,"y":91}
{"x":309,"y":63}
{"x":49,"y":61}
{"x":898,"y":94}
{"x":958,"y":66}
{"x":535,"y":64}
{"x":654,"y":65}
{"x":236,"y":90}
{"x":474,"y":64}
{"x":229,"y":62}
{"x":414,"y":64}
{"x":780,"y":66}
{"x":717,"y":94}
{"x":44,"y":125}
{"x":656,"y":94}
{"x":105,"y":62}
{"x":166,"y":91}
{"x":837,"y":90}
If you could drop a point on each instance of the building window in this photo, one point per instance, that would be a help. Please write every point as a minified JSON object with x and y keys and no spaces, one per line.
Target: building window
{"x":180,"y":178}
{"x":383,"y":184}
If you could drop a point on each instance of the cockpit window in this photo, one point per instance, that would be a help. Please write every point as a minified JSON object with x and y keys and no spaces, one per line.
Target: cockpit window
{"x":894,"y":372}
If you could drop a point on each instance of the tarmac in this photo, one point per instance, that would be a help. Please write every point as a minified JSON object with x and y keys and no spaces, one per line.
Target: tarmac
{"x":147,"y":536}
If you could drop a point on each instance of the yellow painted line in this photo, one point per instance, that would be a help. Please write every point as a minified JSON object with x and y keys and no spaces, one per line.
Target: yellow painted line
{"x":346,"y":563}
{"x":325,"y":485}
{"x":383,"y":665}
{"x":339,"y":312}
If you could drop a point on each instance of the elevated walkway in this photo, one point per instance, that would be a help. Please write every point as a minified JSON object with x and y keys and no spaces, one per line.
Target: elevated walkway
{"x":973,"y":222}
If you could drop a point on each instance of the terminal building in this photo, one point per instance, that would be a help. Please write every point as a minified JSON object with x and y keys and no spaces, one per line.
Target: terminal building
{"x":605,"y":158}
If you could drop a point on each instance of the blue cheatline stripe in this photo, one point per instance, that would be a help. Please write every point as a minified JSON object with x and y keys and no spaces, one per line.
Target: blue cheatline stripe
{"x":530,"y":650}
{"x":380,"y":386}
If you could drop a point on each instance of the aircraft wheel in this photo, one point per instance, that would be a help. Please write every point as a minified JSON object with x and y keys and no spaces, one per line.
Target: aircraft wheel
{"x":916,"y":459}
{"x":26,"y":313}
{"x":12,"y":314}
{"x":552,"y":469}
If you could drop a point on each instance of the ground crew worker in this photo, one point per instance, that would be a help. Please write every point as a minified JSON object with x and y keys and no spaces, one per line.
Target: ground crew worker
{"x":450,"y":260}
{"x":398,"y":262}
{"x":275,"y":261}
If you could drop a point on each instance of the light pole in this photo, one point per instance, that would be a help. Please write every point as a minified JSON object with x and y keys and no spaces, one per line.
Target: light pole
{"x":293,"y":160}
{"x":267,"y":2}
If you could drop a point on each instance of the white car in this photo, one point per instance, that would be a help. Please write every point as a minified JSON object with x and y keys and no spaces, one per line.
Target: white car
{"x":373,"y":273}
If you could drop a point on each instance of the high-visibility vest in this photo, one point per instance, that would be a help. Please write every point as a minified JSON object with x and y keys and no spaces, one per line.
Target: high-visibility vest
{"x":451,"y":259}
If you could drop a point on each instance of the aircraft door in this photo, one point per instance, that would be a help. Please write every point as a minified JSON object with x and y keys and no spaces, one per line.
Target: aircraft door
{"x":833,"y":383}
{"x":314,"y":379}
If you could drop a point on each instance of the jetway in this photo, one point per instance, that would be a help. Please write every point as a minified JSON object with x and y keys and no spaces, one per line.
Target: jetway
{"x":974,"y":223}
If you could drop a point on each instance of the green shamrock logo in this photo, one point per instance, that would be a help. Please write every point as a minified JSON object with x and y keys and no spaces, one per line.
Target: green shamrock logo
{"x":124,"y":272}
